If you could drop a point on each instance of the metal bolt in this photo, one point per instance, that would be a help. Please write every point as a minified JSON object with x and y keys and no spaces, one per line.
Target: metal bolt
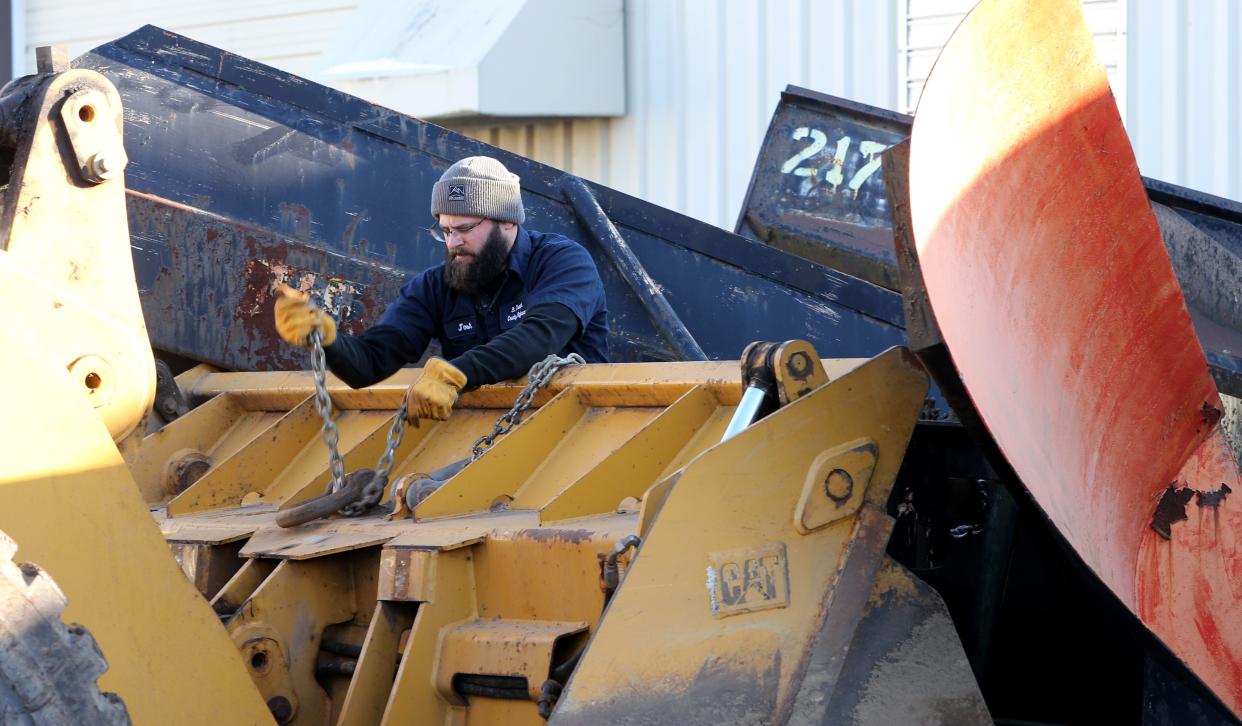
{"x":799,"y":365}
{"x":185,"y":467}
{"x":281,"y":708}
{"x":105,"y":165}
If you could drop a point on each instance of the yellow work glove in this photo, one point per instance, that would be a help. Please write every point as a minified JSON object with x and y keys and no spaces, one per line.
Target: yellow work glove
{"x":297,"y":316}
{"x":435,"y":391}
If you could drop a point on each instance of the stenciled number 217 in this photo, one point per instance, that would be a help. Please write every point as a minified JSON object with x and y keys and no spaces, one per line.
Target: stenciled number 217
{"x":870,"y":151}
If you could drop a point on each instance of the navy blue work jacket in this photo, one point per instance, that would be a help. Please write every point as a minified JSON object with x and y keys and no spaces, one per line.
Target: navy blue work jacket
{"x":543,"y":268}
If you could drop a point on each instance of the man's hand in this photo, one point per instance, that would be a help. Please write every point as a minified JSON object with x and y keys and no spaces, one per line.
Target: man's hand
{"x":297,"y":316}
{"x":435,"y":391}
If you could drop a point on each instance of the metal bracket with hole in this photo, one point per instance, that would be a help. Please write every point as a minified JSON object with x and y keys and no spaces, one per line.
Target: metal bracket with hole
{"x":835,"y":485}
{"x":95,"y":134}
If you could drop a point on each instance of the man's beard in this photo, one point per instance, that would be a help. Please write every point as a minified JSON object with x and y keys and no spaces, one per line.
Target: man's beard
{"x":474,"y":274}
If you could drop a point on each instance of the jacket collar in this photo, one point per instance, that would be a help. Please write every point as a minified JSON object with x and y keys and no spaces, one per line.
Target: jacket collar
{"x":519,"y":256}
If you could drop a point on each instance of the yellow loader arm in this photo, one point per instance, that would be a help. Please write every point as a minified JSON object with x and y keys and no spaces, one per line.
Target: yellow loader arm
{"x":77,"y":376}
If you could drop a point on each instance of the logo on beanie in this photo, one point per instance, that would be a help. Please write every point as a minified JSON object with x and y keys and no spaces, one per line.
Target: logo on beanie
{"x":457,"y":193}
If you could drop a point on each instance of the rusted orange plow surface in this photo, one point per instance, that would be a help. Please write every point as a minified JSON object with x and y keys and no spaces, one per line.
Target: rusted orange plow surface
{"x":1046,"y":273}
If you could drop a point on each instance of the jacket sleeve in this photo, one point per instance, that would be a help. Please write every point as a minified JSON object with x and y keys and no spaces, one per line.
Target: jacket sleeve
{"x":361,"y":360}
{"x":546,"y":329}
{"x":569,"y":277}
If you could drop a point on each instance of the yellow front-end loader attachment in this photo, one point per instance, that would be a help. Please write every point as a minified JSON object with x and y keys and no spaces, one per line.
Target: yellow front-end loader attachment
{"x":611,"y":560}
{"x":654,"y":543}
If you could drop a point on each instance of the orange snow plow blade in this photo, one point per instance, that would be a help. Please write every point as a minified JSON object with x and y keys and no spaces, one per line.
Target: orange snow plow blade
{"x":1046,"y":273}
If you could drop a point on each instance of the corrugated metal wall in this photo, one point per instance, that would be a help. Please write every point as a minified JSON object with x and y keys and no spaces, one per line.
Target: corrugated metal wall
{"x":288,"y":34}
{"x":703,"y":78}
{"x":1184,"y":106}
{"x":927,"y":25}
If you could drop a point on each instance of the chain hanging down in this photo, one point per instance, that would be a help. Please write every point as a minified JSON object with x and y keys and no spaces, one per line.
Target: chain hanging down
{"x":373,"y":490}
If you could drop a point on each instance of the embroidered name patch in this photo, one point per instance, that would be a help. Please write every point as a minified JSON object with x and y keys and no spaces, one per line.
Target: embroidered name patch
{"x":457,"y":193}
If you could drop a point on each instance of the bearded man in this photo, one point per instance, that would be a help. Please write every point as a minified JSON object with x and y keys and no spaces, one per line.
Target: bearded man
{"x":505,"y":298}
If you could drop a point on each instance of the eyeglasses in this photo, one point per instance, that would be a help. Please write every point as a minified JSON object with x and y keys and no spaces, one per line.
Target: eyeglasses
{"x":443,"y":233}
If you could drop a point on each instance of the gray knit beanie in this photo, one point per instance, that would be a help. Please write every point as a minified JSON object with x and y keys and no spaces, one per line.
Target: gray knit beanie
{"x":479,"y":186}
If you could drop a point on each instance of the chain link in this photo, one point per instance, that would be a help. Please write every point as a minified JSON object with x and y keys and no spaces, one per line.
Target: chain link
{"x":540,"y":374}
{"x":323,"y":403}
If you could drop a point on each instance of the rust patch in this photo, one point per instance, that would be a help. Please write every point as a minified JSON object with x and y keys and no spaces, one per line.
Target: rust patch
{"x":206,"y":281}
{"x":297,"y":219}
{"x":351,"y":230}
{"x":1211,"y":414}
{"x":568,"y":536}
{"x":257,"y":291}
{"x":1214,"y":497}
{"x":1172,"y":508}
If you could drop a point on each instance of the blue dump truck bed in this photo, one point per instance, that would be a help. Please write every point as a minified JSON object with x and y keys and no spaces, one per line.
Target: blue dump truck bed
{"x":242,"y":176}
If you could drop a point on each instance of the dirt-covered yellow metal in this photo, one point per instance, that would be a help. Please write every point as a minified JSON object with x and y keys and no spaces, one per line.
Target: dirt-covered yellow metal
{"x":611,"y":559}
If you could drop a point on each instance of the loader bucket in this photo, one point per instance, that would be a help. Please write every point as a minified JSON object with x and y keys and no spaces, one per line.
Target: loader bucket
{"x":1045,"y":271}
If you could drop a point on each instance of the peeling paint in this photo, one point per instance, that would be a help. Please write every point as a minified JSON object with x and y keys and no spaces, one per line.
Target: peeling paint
{"x":1213,"y":498}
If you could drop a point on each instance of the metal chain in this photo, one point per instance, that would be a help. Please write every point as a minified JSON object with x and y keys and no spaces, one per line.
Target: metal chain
{"x":374,"y":489}
{"x":540,"y":374}
{"x":395,"y":434}
{"x":323,"y":403}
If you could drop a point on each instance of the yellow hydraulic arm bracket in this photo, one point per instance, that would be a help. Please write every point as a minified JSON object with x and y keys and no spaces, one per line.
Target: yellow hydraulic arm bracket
{"x":66,"y":264}
{"x":773,"y":375}
{"x":75,"y":377}
{"x":66,"y":267}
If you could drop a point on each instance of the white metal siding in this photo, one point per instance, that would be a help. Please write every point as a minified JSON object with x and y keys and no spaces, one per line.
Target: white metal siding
{"x":703,"y":78}
{"x":929,"y":23}
{"x":1184,"y":106}
{"x":288,"y":34}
